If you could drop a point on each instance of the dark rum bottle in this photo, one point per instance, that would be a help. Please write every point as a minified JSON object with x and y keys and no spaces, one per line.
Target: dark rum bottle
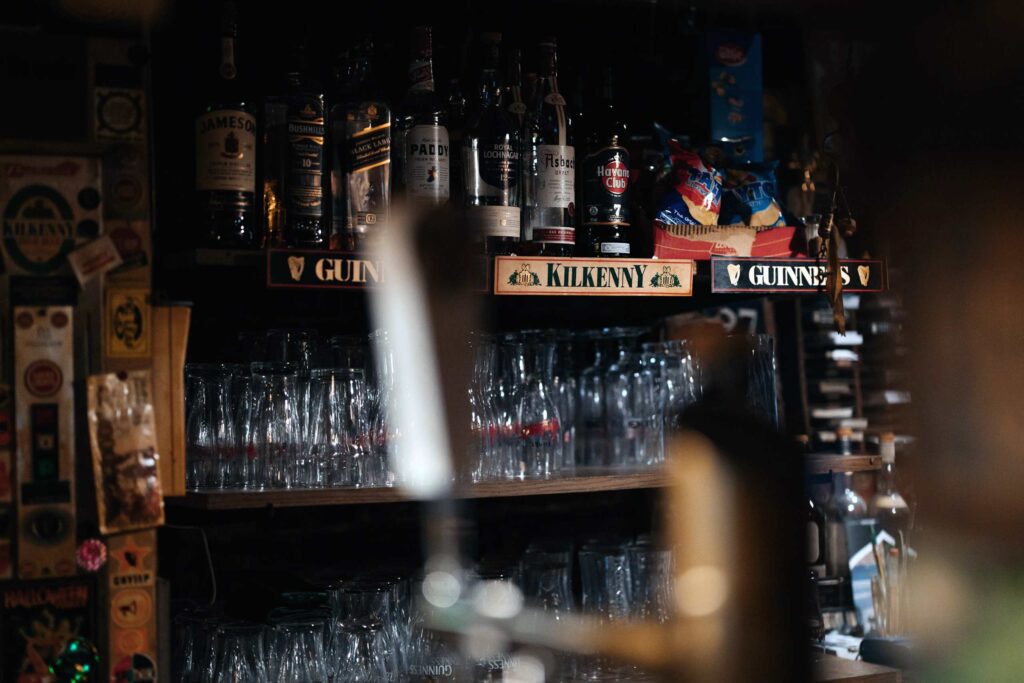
{"x":604,"y":174}
{"x":226,"y":153}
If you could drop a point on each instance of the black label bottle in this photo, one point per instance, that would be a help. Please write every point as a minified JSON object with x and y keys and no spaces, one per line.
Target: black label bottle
{"x":491,"y":159}
{"x":361,"y":160}
{"x":298,"y":127}
{"x":604,"y":172}
{"x":226,"y":153}
{"x":550,"y":165}
{"x":425,"y":149}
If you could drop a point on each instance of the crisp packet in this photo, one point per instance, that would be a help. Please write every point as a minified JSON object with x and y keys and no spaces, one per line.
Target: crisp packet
{"x":696,"y":195}
{"x":749,"y":196}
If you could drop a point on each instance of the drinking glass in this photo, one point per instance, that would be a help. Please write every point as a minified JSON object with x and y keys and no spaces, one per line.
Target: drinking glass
{"x":242,"y":658}
{"x":298,"y":651}
{"x":604,"y":575}
{"x":195,"y":655}
{"x":650,"y":573}
{"x":276,"y":422}
{"x":363,"y":654}
{"x":336,"y":425}
{"x":633,"y":416}
{"x":537,"y":413}
{"x":208,"y":423}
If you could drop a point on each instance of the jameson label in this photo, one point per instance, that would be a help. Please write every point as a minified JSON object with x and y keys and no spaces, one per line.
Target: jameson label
{"x":492,"y":170}
{"x":556,"y":176}
{"x":49,"y":205}
{"x":427,"y":153}
{"x":606,"y":187}
{"x":226,"y":151}
{"x":514,"y":275}
{"x":792,"y":275}
{"x":305,"y":194}
{"x":494,"y":221}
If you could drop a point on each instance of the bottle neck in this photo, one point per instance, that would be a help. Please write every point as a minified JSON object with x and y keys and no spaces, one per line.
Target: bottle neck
{"x":421,"y":67}
{"x":887,"y":478}
{"x":228,"y":69}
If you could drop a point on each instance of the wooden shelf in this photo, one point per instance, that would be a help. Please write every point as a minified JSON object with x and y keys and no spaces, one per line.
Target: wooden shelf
{"x":823,"y":464}
{"x":590,"y":483}
{"x":829,"y":668}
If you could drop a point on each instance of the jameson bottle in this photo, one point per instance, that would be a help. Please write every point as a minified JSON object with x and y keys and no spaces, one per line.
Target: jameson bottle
{"x":226,"y":153}
{"x":550,"y":165}
{"x":295,"y":136}
{"x":604,"y":173}
{"x":425,"y":148}
{"x":361,"y":160}
{"x":491,"y":159}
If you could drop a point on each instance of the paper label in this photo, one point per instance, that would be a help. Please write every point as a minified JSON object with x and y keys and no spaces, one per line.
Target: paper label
{"x":556,"y":171}
{"x":128,"y":319}
{"x":94,"y":259}
{"x":427,"y":156}
{"x":226,"y":151}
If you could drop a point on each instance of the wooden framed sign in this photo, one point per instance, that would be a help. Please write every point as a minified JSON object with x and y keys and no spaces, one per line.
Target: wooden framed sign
{"x":525,"y":276}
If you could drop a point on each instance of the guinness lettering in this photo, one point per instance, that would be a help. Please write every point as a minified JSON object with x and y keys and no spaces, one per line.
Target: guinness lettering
{"x":792,"y":275}
{"x":321,"y":269}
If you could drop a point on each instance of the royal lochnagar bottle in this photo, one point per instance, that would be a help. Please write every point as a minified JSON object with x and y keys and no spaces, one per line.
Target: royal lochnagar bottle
{"x":549,"y":172}
{"x":361,"y":163}
{"x":425,"y":149}
{"x":491,"y":159}
{"x":226,"y":153}
{"x":300,"y":131}
{"x":604,"y":172}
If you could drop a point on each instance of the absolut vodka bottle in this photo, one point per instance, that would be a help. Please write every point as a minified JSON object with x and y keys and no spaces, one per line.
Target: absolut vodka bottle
{"x":550,"y":165}
{"x":491,"y":159}
{"x":425,"y":148}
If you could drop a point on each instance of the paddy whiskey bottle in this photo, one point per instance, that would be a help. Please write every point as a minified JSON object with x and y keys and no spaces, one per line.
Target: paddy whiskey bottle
{"x":226,"y":153}
{"x":425,"y":147}
{"x":550,"y":165}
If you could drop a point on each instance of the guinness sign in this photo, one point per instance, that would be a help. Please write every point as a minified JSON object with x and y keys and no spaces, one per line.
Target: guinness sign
{"x":792,"y":275}
{"x":321,"y":269}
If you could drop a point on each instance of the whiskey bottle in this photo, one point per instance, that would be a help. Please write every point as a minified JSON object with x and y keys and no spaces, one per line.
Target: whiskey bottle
{"x":361,"y":160}
{"x":226,"y":153}
{"x":549,"y":164}
{"x":491,"y":159}
{"x":604,"y":171}
{"x":299,"y":130}
{"x":515,"y":98}
{"x":425,"y":148}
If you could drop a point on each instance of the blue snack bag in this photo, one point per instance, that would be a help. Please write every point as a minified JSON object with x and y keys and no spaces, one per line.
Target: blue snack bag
{"x":696,"y":194}
{"x":748,"y":196}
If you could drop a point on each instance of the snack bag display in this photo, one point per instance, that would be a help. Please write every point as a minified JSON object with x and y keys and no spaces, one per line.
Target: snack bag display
{"x":696,"y":195}
{"x":749,"y":196}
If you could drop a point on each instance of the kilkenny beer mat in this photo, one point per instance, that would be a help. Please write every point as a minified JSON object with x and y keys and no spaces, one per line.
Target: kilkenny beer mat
{"x":792,"y":275}
{"x":131,"y":582}
{"x":514,"y":275}
{"x":38,"y":620}
{"x":44,"y":405}
{"x":122,"y":435}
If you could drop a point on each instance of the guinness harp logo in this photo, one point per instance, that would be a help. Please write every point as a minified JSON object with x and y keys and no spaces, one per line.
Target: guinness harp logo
{"x":734,"y":274}
{"x":864,"y":273}
{"x":296,"y":264}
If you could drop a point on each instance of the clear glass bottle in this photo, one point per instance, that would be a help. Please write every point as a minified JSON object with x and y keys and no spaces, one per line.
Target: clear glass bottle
{"x":549,"y":164}
{"x":491,"y":159}
{"x":891,"y":511}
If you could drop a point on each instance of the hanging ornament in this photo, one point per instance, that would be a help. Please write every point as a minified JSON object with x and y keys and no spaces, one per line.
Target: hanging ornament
{"x":91,"y":555}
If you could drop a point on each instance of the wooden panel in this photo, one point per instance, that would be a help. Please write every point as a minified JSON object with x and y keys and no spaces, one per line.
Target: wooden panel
{"x":237,"y":500}
{"x":832,"y":668}
{"x":823,"y":464}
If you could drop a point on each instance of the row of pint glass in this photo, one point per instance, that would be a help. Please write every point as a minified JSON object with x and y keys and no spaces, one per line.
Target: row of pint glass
{"x":277,"y":425}
{"x":548,"y":403}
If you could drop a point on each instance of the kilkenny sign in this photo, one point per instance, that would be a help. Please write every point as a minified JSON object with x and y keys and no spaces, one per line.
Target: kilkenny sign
{"x":792,"y":275}
{"x":515,"y":275}
{"x":321,"y":269}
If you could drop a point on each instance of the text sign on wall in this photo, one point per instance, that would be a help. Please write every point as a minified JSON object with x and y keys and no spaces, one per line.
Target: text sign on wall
{"x":792,"y":275}
{"x":515,"y":275}
{"x":321,"y":269}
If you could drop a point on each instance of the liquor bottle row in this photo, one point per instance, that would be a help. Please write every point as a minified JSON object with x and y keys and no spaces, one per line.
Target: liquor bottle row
{"x":309,"y":170}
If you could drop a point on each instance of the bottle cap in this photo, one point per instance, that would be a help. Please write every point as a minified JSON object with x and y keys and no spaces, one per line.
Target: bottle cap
{"x":844,"y":433}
